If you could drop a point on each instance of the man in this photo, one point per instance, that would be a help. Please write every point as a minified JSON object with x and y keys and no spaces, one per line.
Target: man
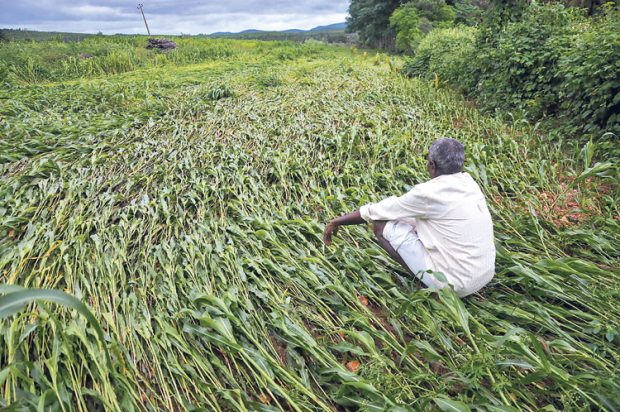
{"x":442,"y":225}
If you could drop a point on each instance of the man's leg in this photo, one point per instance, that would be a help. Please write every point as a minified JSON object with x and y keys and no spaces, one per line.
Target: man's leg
{"x":412,"y":249}
{"x":377,"y":227}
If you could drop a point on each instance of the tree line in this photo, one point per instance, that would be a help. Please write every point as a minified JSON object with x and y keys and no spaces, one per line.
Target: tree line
{"x":400,"y":24}
{"x":551,"y":62}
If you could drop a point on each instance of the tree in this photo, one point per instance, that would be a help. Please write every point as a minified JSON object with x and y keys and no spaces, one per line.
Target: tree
{"x":415,"y":19}
{"x":433,"y":10}
{"x":406,"y":22}
{"x":3,"y":37}
{"x":590,"y":5}
{"x":378,"y":24}
{"x":470,"y":12}
{"x":371,"y":20}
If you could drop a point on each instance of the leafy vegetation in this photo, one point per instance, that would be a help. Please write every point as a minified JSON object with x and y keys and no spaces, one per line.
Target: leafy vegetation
{"x":334,"y":33}
{"x":531,"y":61}
{"x":402,"y":24}
{"x":374,"y":21}
{"x":22,"y":34}
{"x":181,"y":197}
{"x":370,"y":19}
{"x":413,"y":20}
{"x":327,"y":35}
{"x":96,"y":56}
{"x":553,"y":62}
{"x":446,"y":53}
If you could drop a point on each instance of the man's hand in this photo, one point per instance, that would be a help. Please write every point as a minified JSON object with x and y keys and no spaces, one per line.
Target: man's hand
{"x":353,"y":218}
{"x":330,"y":230}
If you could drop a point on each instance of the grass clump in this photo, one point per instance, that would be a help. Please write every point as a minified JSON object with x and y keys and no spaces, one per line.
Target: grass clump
{"x":268,"y":80}
{"x":219,"y":91}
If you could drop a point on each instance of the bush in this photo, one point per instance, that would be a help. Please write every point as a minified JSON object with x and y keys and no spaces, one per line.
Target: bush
{"x":553,"y":62}
{"x":590,"y":90}
{"x":446,"y":53}
{"x":556,"y":62}
{"x":519,"y":70}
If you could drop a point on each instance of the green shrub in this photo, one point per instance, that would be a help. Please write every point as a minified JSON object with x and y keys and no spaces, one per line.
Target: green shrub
{"x":446,"y":53}
{"x":521,"y":69}
{"x":553,"y":62}
{"x":590,"y":90}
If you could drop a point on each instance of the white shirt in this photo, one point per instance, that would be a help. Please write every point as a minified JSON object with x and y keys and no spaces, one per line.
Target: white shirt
{"x":453,"y":223}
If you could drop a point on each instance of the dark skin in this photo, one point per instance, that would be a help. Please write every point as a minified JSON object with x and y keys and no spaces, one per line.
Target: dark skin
{"x":355,"y":218}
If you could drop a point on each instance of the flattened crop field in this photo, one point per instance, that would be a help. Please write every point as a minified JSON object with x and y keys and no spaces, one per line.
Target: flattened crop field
{"x":184,"y":201}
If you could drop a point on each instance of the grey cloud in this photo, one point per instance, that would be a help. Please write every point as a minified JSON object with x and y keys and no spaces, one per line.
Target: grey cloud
{"x":169,"y":16}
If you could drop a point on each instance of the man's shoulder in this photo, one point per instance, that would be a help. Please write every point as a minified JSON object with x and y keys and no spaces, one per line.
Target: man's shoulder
{"x":423,"y":187}
{"x":446,"y":180}
{"x":452,"y":184}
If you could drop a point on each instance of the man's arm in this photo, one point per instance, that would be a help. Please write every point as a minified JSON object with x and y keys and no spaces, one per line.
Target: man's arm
{"x":353,"y":218}
{"x":411,"y":204}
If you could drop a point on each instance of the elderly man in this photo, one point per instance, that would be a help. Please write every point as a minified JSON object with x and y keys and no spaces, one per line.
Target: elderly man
{"x":441,"y":226}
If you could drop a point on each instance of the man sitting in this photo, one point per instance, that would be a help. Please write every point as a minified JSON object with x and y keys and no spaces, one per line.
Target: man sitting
{"x":442,"y":225}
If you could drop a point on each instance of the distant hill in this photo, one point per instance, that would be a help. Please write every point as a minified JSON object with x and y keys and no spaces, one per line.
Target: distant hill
{"x":249,"y":31}
{"x":330,"y":27}
{"x":335,"y":26}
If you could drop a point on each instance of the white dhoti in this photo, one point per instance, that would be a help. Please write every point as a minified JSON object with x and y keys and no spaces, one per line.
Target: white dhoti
{"x":405,"y":241}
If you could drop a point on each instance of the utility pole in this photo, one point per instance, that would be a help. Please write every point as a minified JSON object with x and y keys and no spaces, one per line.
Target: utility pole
{"x":140,"y":7}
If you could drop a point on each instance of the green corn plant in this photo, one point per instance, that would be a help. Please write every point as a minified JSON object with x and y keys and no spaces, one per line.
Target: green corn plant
{"x":190,"y":223}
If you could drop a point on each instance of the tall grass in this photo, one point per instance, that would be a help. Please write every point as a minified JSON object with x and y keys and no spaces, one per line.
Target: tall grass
{"x":191,"y":226}
{"x":31,"y":62}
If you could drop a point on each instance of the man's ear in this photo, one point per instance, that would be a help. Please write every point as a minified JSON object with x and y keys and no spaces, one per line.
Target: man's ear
{"x":432,"y":169}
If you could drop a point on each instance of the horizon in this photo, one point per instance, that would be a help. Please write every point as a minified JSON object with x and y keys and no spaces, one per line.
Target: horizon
{"x":166,"y":17}
{"x":26,"y":29}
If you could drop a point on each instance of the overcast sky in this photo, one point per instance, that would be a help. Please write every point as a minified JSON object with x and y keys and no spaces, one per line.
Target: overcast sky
{"x":169,"y":16}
